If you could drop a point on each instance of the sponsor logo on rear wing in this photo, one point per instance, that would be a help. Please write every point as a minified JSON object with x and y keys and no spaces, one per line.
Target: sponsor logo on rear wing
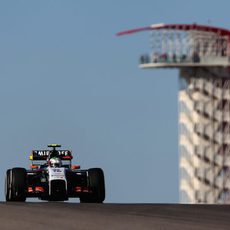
{"x":43,"y":154}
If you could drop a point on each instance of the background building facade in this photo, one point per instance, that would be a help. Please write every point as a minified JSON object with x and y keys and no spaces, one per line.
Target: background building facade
{"x":202,"y":55}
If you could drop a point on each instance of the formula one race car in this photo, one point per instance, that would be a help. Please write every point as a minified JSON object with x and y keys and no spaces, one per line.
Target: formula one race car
{"x":52,"y":177}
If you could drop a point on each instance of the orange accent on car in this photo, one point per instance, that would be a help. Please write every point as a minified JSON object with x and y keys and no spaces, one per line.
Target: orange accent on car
{"x":78,"y":189}
{"x":34,"y":166}
{"x":39,"y":189}
{"x":74,"y":167}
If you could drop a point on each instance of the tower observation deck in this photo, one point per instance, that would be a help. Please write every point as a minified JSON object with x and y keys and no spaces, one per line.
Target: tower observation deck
{"x":202,"y":55}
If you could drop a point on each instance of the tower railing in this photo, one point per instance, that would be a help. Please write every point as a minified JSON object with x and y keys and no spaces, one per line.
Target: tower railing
{"x":178,"y":47}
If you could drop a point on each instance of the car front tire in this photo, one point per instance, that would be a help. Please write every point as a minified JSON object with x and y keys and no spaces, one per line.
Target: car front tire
{"x":96,"y":184}
{"x":16,"y":184}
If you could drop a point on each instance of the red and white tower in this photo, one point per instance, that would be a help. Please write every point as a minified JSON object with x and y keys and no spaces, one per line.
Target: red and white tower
{"x":202,"y":55}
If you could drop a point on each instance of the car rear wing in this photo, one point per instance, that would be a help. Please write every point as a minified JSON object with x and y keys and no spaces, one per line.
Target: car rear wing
{"x":39,"y":155}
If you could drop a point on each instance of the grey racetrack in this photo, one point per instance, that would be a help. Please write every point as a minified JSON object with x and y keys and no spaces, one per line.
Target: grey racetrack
{"x":44,"y":215}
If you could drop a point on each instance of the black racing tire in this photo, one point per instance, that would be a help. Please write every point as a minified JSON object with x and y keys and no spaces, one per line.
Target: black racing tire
{"x":96,"y":184}
{"x":16,"y":184}
{"x":7,"y":186}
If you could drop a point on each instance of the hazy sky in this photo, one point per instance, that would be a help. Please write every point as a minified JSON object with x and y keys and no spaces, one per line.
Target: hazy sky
{"x":66,"y":78}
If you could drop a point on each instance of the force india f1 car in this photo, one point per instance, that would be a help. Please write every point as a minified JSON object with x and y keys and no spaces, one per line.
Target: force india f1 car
{"x":52,"y":177}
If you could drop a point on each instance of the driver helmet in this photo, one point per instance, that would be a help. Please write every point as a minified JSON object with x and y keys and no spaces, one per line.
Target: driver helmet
{"x":55,"y":162}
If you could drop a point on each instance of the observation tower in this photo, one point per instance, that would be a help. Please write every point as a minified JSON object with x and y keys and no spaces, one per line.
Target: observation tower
{"x":202,"y":55}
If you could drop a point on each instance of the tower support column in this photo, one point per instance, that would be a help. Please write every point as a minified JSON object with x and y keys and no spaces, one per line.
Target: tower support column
{"x":204,"y":125}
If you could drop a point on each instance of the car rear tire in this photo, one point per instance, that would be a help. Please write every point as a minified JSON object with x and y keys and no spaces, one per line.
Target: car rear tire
{"x":15,"y":184}
{"x":96,"y":184}
{"x":7,"y":186}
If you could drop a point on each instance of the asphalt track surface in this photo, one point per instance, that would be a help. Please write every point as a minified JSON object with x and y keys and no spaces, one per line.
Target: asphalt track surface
{"x":44,"y":215}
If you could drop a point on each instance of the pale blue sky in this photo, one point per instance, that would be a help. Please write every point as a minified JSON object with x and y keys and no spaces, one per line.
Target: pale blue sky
{"x":66,"y":78}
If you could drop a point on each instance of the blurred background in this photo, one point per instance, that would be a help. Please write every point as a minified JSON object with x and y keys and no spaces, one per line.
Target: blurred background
{"x":66,"y":78}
